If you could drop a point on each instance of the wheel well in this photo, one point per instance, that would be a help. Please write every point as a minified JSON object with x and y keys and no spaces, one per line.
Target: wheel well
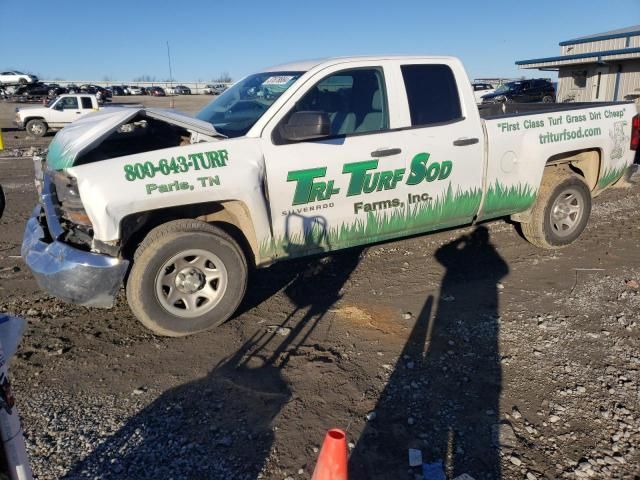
{"x":232,"y":216}
{"x":585,"y":163}
{"x":28,"y":119}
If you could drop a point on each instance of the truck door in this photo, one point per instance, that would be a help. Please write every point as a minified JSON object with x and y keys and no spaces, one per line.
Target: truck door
{"x":64,"y":111}
{"x":444,"y":146}
{"x":344,"y":189}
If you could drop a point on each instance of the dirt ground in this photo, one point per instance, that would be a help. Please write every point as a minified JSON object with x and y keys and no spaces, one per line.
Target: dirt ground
{"x":485,"y":353}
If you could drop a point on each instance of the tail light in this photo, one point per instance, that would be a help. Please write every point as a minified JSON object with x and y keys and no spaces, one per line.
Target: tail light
{"x":635,"y":133}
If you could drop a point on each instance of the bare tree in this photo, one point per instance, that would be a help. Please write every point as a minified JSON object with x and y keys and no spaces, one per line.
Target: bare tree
{"x":224,"y":77}
{"x":145,"y":78}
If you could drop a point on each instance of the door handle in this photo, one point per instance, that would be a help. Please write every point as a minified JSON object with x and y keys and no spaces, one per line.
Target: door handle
{"x":385,"y":152}
{"x":78,"y":113}
{"x":462,"y":142}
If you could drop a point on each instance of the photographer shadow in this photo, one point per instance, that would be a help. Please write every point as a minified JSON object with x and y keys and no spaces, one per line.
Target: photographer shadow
{"x":444,"y":393}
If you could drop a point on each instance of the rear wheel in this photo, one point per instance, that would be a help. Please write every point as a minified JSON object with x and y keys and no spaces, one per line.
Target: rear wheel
{"x":547,"y":99}
{"x":561,"y":211}
{"x":187,"y":276}
{"x":37,"y":128}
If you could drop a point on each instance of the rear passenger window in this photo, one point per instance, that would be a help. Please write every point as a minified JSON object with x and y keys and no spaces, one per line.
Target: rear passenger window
{"x":432,"y":94}
{"x":86,"y":103}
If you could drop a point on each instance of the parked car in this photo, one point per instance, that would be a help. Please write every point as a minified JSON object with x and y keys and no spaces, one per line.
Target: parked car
{"x":181,"y":90}
{"x":14,"y":77}
{"x":73,"y":88}
{"x":59,"y":112}
{"x":321,"y":163}
{"x":117,"y":90}
{"x":523,"y":91}
{"x":33,"y":89}
{"x":135,"y":90}
{"x":156,"y":91}
{"x":481,"y":89}
{"x":214,"y":89}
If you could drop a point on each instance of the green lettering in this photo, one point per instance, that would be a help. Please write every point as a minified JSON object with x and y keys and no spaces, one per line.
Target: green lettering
{"x":358,"y":171}
{"x":224,"y":157}
{"x":433,"y":171}
{"x":304,"y":179}
{"x":445,"y":171}
{"x":418,"y":168}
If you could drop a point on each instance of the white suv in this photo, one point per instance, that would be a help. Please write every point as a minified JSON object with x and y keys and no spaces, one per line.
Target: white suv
{"x":13,"y":77}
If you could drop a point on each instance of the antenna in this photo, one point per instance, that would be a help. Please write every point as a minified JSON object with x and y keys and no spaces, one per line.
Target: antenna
{"x":169,"y":57}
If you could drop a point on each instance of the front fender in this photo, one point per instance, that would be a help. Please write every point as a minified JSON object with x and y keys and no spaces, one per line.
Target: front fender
{"x":227,"y":170}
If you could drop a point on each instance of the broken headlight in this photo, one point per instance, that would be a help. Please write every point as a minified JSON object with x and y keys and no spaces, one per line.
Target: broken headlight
{"x":68,"y":196}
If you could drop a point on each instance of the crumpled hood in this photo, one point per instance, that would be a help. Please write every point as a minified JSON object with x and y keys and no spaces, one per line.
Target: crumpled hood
{"x":90,"y":130}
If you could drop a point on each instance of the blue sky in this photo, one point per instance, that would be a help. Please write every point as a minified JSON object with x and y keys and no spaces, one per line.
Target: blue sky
{"x":85,"y":40}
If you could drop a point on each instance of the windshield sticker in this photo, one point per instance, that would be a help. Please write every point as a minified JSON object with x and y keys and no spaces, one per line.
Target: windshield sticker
{"x":279,"y":80}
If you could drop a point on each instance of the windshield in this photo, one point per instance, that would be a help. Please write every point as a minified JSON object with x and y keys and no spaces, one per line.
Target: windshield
{"x":235,"y":111}
{"x":508,"y":87}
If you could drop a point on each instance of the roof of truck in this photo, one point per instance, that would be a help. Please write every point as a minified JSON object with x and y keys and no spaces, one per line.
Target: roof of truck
{"x":306,"y":65}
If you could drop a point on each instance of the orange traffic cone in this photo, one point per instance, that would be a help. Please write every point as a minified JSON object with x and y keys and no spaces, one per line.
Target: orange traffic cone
{"x":332,"y":461}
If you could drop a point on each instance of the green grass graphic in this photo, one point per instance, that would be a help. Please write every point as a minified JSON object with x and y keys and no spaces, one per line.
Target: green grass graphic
{"x":449,"y":209}
{"x":502,"y":201}
{"x":611,"y":175}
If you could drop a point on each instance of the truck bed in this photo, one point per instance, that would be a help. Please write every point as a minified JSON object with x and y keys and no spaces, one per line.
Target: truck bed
{"x":503,"y":110}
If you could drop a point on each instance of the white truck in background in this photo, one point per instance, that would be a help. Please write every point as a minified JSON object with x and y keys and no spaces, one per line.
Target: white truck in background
{"x":480,"y":89}
{"x":301,"y":159}
{"x":56,"y":114}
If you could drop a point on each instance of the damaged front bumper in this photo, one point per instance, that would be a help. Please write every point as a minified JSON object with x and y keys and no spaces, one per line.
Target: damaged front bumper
{"x":73,"y":275}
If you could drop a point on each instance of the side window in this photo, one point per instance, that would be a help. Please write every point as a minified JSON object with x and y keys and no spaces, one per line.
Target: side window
{"x":69,"y":103}
{"x":354,"y":100}
{"x":432,"y":94}
{"x":86,"y":103}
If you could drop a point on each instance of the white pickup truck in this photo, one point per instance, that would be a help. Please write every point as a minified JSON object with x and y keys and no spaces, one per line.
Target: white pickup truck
{"x":300,"y":159}
{"x":56,"y":114}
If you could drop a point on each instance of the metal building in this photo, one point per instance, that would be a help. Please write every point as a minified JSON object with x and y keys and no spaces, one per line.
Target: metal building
{"x":599,"y":67}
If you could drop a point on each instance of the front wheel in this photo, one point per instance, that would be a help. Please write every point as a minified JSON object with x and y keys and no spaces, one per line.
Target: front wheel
{"x":37,"y":128}
{"x":547,"y":99}
{"x":187,"y":276}
{"x":561,"y":211}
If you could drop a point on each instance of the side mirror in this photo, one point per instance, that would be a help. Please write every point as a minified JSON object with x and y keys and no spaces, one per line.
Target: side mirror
{"x":306,"y":126}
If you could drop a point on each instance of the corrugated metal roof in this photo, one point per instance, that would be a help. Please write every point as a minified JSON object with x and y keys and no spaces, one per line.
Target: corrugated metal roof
{"x":579,"y":56}
{"x":620,"y":32}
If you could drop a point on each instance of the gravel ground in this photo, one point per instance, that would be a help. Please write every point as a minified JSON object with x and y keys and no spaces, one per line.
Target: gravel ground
{"x":475,"y":348}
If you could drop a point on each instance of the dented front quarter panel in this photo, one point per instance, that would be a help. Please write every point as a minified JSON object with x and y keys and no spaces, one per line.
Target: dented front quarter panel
{"x":184,"y":175}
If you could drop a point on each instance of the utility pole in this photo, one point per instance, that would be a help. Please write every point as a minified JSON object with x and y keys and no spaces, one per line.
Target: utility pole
{"x":169,"y":57}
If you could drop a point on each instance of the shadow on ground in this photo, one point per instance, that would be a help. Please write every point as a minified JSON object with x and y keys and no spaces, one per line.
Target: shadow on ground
{"x":443,"y":395}
{"x":221,"y":427}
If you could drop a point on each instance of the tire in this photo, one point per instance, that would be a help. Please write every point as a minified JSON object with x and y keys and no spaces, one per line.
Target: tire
{"x":547,"y":99}
{"x":164,"y":255}
{"x":37,"y":128}
{"x":561,"y":211}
